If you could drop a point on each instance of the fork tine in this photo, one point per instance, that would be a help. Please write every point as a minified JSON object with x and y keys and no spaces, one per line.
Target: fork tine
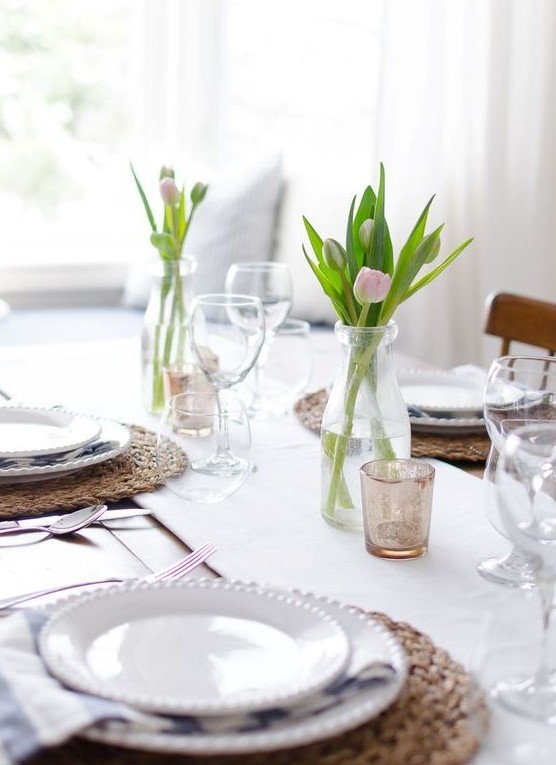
{"x":185,"y":564}
{"x":190,"y":559}
{"x":158,"y":574}
{"x":196,"y":558}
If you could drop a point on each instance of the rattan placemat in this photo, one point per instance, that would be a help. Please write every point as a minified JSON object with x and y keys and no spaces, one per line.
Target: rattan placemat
{"x":461,"y":448}
{"x":132,"y":472}
{"x":438,"y":719}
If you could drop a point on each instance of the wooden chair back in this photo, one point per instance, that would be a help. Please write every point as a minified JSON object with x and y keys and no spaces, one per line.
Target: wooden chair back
{"x":521,"y":319}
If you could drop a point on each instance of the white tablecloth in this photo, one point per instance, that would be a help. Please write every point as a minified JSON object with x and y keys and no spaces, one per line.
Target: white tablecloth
{"x":272,"y":531}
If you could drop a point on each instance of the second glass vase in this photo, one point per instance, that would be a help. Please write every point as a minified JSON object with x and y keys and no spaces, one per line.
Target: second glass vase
{"x":165,"y":338}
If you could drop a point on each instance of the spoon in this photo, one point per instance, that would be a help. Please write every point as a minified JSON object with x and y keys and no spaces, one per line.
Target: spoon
{"x":75,"y":521}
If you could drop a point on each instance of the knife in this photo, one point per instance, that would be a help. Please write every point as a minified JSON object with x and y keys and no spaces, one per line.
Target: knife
{"x":109,"y":515}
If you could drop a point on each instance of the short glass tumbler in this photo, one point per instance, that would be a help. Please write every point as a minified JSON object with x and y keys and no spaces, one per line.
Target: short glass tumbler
{"x":397,"y":502}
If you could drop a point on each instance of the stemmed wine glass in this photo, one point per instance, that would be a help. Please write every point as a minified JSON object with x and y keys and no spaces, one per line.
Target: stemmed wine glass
{"x":271,"y":282}
{"x":227,"y":334}
{"x":525,"y":482}
{"x":519,"y":390}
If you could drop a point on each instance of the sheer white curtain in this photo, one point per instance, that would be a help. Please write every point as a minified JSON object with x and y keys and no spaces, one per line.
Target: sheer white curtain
{"x":466,"y":111}
{"x":180,"y":82}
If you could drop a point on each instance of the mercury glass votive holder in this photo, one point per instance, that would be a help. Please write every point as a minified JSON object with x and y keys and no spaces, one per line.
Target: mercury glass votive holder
{"x":397,"y":500}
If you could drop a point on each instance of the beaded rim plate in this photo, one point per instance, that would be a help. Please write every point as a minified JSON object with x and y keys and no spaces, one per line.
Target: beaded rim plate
{"x":358,"y":695}
{"x":29,"y":431}
{"x":212,"y":649}
{"x":115,"y":434}
{"x":447,"y":403}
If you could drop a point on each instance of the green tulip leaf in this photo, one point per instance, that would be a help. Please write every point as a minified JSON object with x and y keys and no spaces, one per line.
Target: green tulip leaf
{"x":143,"y":196}
{"x":414,"y":239}
{"x":365,"y":210}
{"x":402,"y":279}
{"x":168,"y":220}
{"x":315,"y":240}
{"x":378,"y":256}
{"x":182,"y":216}
{"x":164,"y":244}
{"x":317,"y":244}
{"x":335,"y":296}
{"x":352,"y":265}
{"x":432,"y":275}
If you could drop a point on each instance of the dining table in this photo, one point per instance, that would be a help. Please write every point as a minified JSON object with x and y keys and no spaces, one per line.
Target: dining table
{"x":271,"y":530}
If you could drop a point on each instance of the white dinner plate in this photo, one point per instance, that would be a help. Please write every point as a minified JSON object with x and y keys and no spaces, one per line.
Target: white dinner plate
{"x":443,"y":402}
{"x":360,"y":693}
{"x":195,"y":647}
{"x":27,"y":431}
{"x":115,"y":436}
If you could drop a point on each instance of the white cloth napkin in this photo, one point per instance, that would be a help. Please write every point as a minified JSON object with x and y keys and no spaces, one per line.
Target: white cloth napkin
{"x":36,"y":711}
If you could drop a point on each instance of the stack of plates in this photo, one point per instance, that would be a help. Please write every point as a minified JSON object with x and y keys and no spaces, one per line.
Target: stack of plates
{"x":222,"y":667}
{"x":38,"y":443}
{"x":443,"y":402}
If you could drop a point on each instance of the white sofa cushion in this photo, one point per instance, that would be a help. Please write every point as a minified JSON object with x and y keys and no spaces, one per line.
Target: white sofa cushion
{"x":235,"y":222}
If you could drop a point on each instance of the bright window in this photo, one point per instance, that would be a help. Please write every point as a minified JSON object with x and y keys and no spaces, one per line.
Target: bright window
{"x":66,"y":72}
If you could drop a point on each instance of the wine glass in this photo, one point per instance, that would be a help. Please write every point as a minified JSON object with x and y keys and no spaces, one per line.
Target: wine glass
{"x":519,"y":390}
{"x":271,"y":282}
{"x":192,"y":420}
{"x":525,"y":483}
{"x":288,"y":368}
{"x":227,"y":334}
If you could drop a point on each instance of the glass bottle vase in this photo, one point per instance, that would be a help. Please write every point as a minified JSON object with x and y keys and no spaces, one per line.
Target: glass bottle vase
{"x":165,"y":340}
{"x":365,"y":419}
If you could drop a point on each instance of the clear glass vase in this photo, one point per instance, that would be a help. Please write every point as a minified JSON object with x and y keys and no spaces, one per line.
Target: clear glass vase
{"x":365,"y":419}
{"x":165,"y":342}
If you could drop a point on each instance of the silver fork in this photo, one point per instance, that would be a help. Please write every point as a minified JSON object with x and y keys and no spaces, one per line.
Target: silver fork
{"x":175,"y":571}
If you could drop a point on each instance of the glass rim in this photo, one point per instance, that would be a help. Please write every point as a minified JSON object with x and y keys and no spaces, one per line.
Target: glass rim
{"x":293,"y":326}
{"x":172,"y":404}
{"x":259,"y":265}
{"x":391,"y":323}
{"x":226,"y":298}
{"x":425,"y":469}
{"x":516,"y":438}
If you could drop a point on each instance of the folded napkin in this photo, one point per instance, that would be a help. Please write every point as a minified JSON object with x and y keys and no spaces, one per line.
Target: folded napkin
{"x":36,"y":711}
{"x":44,"y":460}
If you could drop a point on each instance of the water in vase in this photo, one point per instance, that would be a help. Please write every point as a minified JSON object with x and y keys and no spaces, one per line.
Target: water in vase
{"x":345,"y":512}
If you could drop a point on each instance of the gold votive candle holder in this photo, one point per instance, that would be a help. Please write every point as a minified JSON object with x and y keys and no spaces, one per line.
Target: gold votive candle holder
{"x":397,"y":502}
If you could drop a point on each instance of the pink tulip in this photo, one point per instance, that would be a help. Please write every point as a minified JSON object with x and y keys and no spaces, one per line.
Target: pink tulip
{"x":371,"y":286}
{"x":169,"y":191}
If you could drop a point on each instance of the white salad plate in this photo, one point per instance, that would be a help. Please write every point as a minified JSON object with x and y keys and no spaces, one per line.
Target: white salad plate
{"x":443,"y":402}
{"x":31,"y":431}
{"x":113,"y":438}
{"x":195,"y":647}
{"x":371,"y":681}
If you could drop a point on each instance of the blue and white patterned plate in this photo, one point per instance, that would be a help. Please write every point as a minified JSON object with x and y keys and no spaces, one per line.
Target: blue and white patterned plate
{"x":373,"y":679}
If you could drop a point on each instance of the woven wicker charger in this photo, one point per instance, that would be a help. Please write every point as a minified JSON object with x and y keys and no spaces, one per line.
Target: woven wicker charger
{"x":132,"y":472}
{"x":464,"y":448}
{"x":438,"y":719}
